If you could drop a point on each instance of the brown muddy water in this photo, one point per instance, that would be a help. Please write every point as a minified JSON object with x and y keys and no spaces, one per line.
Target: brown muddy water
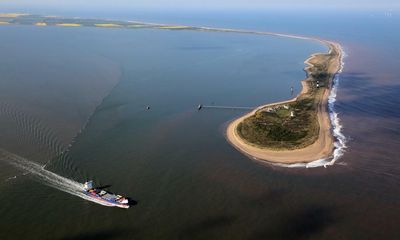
{"x":90,"y":88}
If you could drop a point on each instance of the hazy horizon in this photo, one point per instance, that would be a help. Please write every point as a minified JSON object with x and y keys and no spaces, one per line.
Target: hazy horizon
{"x":145,"y":99}
{"x":386,"y":5}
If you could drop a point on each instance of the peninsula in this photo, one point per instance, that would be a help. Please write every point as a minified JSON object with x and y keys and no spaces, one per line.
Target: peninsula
{"x":293,"y":131}
{"x":297,"y":130}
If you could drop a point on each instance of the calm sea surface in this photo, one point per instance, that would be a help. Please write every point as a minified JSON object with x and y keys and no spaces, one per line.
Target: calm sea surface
{"x":189,"y":183}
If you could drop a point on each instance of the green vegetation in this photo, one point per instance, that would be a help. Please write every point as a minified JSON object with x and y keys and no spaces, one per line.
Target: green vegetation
{"x":38,"y":20}
{"x":275,"y":128}
{"x":293,"y":125}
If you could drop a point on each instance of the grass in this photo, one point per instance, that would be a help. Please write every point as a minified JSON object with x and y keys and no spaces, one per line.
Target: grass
{"x":68,"y":24}
{"x":12,"y":15}
{"x":277,"y":129}
{"x":173,"y":27}
{"x":282,"y":113}
{"x":107,"y":25}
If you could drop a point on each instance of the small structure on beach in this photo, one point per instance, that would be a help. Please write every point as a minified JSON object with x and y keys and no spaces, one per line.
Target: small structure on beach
{"x":269,"y":109}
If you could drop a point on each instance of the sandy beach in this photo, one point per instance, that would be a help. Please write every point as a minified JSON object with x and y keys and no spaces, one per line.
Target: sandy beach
{"x":321,"y":148}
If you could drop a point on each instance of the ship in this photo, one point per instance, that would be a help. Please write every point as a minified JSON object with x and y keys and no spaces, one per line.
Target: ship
{"x":106,"y":198}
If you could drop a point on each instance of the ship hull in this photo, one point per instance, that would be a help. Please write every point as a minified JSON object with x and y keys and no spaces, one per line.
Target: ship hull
{"x":106,"y":202}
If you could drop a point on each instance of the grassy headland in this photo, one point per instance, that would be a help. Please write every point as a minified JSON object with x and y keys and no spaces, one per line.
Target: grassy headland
{"x":297,"y":130}
{"x":292,"y":125}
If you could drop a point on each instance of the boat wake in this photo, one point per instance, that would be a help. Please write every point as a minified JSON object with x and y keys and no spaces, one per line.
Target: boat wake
{"x":340,"y":138}
{"x":47,"y":177}
{"x":32,"y":130}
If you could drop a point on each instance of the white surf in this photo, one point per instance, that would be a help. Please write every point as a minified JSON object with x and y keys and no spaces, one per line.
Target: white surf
{"x":340,"y":138}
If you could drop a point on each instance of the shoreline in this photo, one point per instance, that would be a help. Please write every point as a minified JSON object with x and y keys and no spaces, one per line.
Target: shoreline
{"x":329,"y":128}
{"x":322,"y":148}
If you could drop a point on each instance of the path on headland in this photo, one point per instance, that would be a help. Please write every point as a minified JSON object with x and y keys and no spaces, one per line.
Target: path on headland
{"x":320,"y":149}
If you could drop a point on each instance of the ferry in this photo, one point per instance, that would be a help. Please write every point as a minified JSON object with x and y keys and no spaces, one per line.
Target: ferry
{"x":107,"y":198}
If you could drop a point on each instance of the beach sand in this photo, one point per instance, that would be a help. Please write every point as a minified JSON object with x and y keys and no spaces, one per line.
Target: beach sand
{"x":12,"y":15}
{"x":68,"y":24}
{"x":320,"y":149}
{"x":112,"y":25}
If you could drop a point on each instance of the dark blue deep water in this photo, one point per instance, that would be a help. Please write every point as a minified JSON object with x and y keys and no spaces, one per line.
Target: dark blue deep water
{"x":189,"y":183}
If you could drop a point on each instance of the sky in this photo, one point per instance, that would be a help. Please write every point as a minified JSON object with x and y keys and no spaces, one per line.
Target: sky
{"x":340,"y":4}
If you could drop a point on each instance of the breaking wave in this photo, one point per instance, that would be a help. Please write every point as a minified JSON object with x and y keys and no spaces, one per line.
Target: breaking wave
{"x":47,"y":177}
{"x":340,"y":138}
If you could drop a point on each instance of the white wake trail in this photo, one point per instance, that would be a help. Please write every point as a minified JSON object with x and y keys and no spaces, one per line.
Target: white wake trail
{"x":46,"y":177}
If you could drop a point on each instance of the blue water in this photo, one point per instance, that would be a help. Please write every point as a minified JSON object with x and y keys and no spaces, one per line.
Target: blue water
{"x":188,"y":181}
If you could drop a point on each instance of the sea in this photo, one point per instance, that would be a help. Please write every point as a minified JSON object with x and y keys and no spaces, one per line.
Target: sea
{"x":119,"y":106}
